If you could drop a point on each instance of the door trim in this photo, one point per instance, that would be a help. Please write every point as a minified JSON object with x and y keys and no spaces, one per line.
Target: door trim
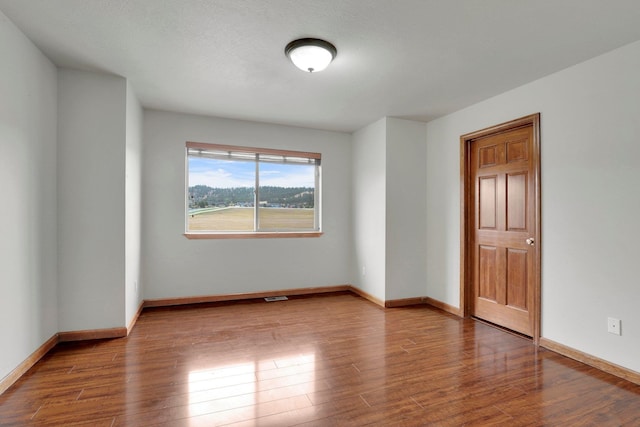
{"x":466,"y":229}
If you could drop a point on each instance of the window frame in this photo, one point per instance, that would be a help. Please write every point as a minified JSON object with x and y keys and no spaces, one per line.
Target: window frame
{"x":214,"y":234}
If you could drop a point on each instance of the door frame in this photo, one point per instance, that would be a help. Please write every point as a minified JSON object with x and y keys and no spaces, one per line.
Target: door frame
{"x":466,"y":209}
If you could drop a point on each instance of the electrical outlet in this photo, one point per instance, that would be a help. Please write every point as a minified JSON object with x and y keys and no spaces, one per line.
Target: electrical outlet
{"x":135,"y":285}
{"x":364,"y":271}
{"x":614,"y":325}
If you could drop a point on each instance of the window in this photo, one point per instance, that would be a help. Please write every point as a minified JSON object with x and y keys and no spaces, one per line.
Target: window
{"x":251,"y":192}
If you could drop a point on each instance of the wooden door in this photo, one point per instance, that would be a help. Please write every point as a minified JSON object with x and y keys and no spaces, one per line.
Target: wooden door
{"x":503,"y":218}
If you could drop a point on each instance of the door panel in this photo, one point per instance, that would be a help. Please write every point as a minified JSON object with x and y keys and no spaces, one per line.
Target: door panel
{"x":517,"y":278}
{"x":517,"y":150}
{"x":502,"y":212}
{"x":487,"y":272}
{"x":516,"y":202}
{"x":487,"y":196}
{"x":488,"y":156}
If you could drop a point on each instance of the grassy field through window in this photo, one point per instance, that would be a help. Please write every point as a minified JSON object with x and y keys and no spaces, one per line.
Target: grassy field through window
{"x":241,"y":219}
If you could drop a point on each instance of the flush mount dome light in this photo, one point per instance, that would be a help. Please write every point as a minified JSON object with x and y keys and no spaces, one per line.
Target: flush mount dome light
{"x":311,"y":55}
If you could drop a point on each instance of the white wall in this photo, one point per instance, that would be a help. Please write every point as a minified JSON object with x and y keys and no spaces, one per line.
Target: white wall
{"x":369,"y":208}
{"x":443,"y":210}
{"x":389,"y":208}
{"x":133,"y":204}
{"x":28,"y":278}
{"x":91,"y":200}
{"x":174,"y":266}
{"x":406,"y":209}
{"x":590,"y":200}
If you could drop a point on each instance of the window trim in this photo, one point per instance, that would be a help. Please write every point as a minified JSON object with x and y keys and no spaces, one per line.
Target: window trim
{"x":254,"y":234}
{"x":195,"y":235}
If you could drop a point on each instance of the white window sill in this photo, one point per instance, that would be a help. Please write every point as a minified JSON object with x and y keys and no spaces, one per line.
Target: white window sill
{"x":254,"y":235}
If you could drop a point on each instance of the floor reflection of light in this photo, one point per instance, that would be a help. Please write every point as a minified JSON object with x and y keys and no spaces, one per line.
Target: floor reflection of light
{"x":260,"y":387}
{"x":208,"y":385}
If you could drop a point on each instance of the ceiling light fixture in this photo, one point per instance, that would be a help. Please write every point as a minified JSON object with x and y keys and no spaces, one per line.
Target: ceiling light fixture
{"x":311,"y":55}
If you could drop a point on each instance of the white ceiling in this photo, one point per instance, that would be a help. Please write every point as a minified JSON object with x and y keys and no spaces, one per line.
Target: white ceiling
{"x":416,"y":59}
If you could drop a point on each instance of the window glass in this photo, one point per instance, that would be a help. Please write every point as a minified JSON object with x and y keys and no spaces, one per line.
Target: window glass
{"x":222,"y":196}
{"x":286,"y":193}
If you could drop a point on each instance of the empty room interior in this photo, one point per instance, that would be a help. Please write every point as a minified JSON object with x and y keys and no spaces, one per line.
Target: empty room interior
{"x":438,"y":225}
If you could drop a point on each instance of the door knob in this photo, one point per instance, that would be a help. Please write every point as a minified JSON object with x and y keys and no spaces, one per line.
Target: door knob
{"x":530,"y":241}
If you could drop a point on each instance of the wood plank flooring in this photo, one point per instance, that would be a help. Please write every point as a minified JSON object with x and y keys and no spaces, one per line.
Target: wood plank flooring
{"x":330,"y":360}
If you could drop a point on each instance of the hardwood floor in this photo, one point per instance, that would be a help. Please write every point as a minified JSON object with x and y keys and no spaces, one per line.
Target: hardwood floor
{"x":332,"y":360}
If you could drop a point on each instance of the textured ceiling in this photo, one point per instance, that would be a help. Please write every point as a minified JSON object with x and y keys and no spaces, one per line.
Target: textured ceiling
{"x":415,"y":59}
